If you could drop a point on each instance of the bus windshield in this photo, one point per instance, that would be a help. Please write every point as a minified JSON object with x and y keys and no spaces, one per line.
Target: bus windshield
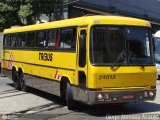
{"x":157,"y":50}
{"x":118,"y":45}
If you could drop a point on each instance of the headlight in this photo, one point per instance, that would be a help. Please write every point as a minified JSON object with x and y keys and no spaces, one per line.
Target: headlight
{"x":151,"y":94}
{"x":99,"y":96}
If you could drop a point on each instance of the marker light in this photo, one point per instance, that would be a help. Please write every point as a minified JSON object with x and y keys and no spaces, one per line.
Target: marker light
{"x":145,"y":94}
{"x":107,"y":96}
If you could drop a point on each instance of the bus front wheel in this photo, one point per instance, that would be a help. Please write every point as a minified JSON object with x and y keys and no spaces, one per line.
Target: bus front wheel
{"x":69,"y":97}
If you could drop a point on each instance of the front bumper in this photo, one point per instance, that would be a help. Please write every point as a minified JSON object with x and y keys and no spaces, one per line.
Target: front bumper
{"x":125,"y":96}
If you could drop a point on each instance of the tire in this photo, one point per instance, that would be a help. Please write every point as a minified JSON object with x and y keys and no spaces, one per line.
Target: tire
{"x":23,"y":86}
{"x":69,"y":98}
{"x":15,"y":79}
{"x":63,"y":89}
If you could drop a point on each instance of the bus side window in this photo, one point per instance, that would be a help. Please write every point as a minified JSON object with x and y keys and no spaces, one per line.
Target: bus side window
{"x":62,"y":36}
{"x":31,"y":38}
{"x":7,"y":41}
{"x":74,"y":37}
{"x":51,"y":34}
{"x":41,"y":39}
{"x":13,"y":40}
{"x":68,"y":38}
{"x":21,"y":40}
{"x":57,"y":43}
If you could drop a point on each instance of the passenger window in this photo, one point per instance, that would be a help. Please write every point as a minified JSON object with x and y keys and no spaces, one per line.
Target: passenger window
{"x":68,"y":38}
{"x":13,"y":40}
{"x":51,"y":38}
{"x":31,"y":38}
{"x":21,"y":40}
{"x":57,"y":44}
{"x":7,"y":41}
{"x":41,"y":39}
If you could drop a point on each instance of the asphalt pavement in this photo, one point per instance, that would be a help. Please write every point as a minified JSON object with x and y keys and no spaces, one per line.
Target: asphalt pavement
{"x":38,"y":105}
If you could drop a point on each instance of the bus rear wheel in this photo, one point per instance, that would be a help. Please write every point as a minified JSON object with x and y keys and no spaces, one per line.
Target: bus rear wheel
{"x":15,"y":79}
{"x":69,"y":97}
{"x":22,"y":82}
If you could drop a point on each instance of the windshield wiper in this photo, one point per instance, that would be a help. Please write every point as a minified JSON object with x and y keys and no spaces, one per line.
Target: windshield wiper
{"x":136,"y":59}
{"x":121,"y":57}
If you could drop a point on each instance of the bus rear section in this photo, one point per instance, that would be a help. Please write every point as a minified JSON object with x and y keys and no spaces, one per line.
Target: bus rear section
{"x":121,"y":67}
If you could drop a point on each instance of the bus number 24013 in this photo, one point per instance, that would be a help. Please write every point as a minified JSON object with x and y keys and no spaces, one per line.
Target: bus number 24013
{"x":106,"y":77}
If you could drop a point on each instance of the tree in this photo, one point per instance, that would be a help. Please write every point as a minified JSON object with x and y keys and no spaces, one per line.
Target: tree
{"x":12,"y":12}
{"x":6,"y":14}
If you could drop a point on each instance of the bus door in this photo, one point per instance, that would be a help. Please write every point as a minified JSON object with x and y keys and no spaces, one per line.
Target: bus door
{"x":82,"y":63}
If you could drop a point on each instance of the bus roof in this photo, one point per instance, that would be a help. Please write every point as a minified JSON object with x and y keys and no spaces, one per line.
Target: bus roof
{"x":157,"y":34}
{"x":82,"y":21}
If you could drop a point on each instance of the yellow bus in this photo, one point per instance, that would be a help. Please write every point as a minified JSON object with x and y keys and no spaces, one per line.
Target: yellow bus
{"x":91,"y":59}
